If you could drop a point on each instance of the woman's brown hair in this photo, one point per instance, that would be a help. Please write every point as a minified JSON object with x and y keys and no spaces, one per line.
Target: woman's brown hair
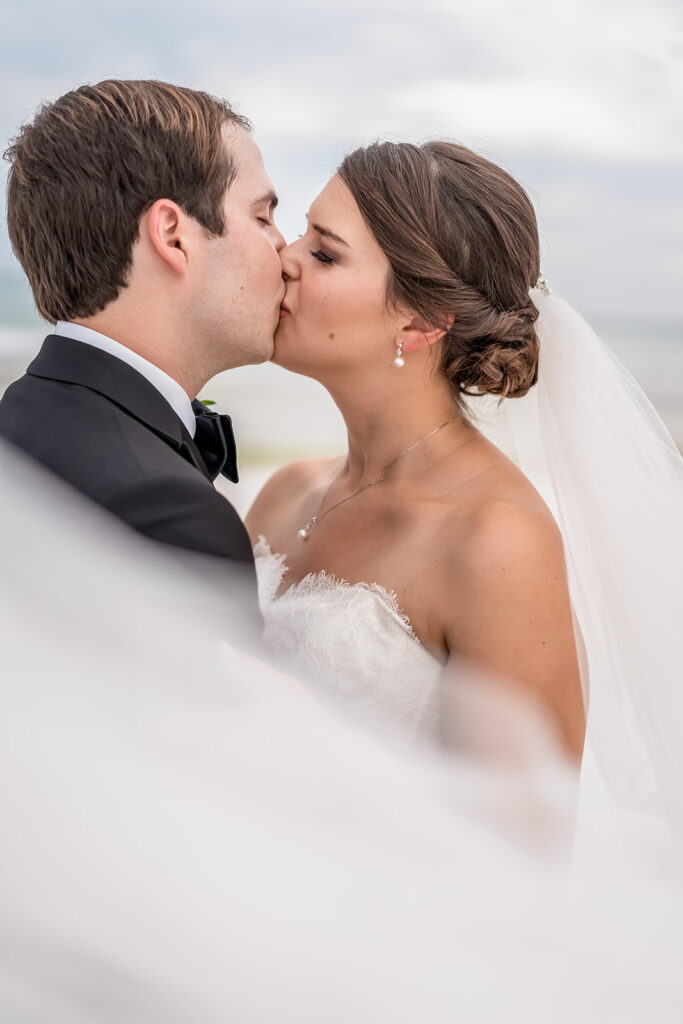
{"x":461,"y":238}
{"x":90,"y":164}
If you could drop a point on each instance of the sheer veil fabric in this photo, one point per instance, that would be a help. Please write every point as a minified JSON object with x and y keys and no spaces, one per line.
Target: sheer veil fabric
{"x":190,"y":836}
{"x":597,"y":451}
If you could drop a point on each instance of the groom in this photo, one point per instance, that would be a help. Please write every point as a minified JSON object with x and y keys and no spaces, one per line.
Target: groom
{"x":142,"y":215}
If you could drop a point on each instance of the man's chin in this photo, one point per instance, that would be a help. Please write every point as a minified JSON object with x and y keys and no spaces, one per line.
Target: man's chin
{"x":254,"y":355}
{"x":265,"y":351}
{"x":263,"y":357}
{"x":277,"y":346}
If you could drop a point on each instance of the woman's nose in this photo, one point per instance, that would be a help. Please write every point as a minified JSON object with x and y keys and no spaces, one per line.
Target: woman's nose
{"x":290,"y":265}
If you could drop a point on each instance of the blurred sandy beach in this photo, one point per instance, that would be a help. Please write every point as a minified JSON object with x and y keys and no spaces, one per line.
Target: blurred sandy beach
{"x":280,"y":416}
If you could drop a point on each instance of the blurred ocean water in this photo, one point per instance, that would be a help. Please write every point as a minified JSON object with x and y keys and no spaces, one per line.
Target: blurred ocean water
{"x":275,"y":411}
{"x":279,"y":416}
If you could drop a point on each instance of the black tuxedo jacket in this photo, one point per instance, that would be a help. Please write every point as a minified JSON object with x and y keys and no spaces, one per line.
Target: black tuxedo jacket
{"x":101,"y":426}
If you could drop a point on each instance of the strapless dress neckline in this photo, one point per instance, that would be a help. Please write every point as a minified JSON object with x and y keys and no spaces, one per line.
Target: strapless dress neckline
{"x":349,"y":639}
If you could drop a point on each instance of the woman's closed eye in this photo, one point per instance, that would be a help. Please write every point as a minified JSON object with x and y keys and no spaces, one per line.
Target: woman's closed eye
{"x":322,"y":256}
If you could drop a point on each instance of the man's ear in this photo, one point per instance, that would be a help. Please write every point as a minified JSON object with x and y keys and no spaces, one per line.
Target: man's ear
{"x":417,"y":334}
{"x":165,"y":224}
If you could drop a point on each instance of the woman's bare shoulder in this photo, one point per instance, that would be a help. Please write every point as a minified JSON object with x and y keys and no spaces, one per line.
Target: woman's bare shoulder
{"x":501,"y":525}
{"x":502,"y":550}
{"x":513,"y":525}
{"x":504,"y":603}
{"x":287,"y":484}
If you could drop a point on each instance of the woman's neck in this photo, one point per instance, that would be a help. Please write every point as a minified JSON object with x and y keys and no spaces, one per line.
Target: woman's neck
{"x":382,"y":422}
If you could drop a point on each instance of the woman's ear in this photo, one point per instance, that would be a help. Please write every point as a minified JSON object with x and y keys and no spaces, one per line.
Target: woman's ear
{"x":418,"y":334}
{"x":165,"y":226}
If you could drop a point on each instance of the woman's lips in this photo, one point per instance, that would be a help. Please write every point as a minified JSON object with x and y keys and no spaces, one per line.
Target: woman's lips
{"x":283,"y":311}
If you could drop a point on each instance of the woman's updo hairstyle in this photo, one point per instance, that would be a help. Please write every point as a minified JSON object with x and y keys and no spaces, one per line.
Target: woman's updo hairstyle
{"x":461,"y":238}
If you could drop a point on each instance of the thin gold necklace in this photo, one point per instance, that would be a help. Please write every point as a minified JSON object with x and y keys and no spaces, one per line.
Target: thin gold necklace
{"x":305,"y":531}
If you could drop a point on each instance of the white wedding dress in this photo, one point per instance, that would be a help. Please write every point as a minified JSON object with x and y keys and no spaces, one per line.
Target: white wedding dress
{"x":350,"y":640}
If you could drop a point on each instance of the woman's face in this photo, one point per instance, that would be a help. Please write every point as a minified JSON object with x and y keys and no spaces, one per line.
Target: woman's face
{"x":335,"y":315}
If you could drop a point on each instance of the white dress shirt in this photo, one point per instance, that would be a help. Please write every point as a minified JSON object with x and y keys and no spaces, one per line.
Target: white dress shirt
{"x":169,"y":388}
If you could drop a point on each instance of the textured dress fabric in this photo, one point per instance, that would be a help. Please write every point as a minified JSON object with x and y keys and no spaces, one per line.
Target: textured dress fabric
{"x":350,"y":640}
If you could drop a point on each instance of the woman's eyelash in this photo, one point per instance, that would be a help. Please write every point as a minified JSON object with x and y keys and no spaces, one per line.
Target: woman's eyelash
{"x":323,"y":257}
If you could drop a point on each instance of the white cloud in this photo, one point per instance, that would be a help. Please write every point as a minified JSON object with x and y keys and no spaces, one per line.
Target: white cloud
{"x":573,"y":97}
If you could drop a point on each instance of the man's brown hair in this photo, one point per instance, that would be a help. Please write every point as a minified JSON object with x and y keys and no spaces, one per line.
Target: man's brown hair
{"x":87,"y":168}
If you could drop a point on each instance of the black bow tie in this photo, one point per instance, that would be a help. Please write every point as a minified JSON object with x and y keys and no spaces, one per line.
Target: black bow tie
{"x":216,"y":442}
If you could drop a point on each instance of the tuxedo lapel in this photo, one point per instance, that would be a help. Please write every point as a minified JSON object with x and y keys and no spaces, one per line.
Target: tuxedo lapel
{"x":74,"y":362}
{"x":192,"y":453}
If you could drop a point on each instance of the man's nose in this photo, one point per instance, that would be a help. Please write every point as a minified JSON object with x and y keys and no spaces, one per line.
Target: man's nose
{"x":280,"y":242}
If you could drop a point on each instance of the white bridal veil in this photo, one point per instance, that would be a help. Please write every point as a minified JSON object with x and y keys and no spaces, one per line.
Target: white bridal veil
{"x":188,"y":836}
{"x":593,"y":445}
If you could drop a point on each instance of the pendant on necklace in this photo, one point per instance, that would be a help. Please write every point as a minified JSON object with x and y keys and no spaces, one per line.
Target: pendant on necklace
{"x":304,"y":533}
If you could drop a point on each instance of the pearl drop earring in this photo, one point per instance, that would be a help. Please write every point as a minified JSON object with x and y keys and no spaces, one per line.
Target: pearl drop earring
{"x":399,"y":360}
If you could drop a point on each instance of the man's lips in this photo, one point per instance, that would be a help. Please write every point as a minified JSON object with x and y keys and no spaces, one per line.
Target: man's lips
{"x":283,"y":310}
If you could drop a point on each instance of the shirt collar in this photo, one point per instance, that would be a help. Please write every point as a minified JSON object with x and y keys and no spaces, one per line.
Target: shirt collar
{"x":169,"y":388}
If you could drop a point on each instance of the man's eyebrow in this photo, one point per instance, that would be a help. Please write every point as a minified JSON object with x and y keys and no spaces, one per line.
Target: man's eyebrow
{"x":270,"y":198}
{"x":326,"y":233}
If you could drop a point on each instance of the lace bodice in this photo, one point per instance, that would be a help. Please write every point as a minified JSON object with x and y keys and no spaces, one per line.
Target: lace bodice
{"x":352,"y":640}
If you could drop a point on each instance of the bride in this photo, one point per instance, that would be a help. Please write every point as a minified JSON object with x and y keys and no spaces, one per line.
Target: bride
{"x":424,"y":549}
{"x":424,"y":544}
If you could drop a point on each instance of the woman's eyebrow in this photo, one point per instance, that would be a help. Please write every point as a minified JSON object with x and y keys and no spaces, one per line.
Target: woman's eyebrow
{"x":326,"y":233}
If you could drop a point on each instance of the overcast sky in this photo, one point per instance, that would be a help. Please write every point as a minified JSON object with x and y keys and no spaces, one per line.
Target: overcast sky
{"x":582,"y":101}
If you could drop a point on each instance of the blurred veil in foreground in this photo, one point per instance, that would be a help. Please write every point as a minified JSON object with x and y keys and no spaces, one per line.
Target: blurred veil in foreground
{"x":189,"y":835}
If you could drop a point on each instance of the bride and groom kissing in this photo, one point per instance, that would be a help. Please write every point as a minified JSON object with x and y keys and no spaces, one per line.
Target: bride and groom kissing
{"x":143,"y":216}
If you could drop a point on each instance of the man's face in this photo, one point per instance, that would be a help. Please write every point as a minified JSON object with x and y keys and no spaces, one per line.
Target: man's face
{"x":239,"y":286}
